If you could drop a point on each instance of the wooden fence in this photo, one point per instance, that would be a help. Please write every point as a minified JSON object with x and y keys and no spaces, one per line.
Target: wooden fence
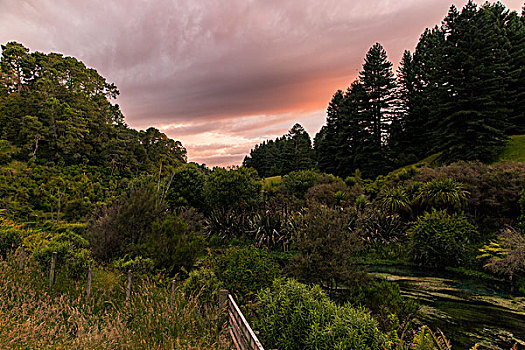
{"x":242,"y":334}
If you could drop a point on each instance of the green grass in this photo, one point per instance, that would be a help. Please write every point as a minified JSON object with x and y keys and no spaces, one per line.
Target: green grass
{"x":274,"y":180}
{"x":33,"y":316}
{"x":515,"y":149}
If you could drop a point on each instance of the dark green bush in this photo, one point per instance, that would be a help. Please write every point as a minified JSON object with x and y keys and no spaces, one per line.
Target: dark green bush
{"x":327,"y":242}
{"x":383,"y":299}
{"x":172,"y":246}
{"x":138,"y":266}
{"x":244,"y":270}
{"x":439,"y":239}
{"x":292,"y":316}
{"x":72,"y":254}
{"x":186,"y":187}
{"x":299,"y":182}
{"x":10,"y":239}
{"x":232,"y":189}
{"x":203,"y":285}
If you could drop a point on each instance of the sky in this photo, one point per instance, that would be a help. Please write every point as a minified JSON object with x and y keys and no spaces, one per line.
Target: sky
{"x":223,"y":75}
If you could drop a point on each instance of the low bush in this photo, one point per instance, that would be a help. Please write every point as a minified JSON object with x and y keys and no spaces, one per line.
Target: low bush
{"x":327,"y":242}
{"x":244,"y":270}
{"x":299,"y":182}
{"x":72,"y":254}
{"x":383,"y":299}
{"x":138,"y":266}
{"x":172,"y":246}
{"x":203,"y":286}
{"x":439,"y":239}
{"x":10,"y":239}
{"x":291,"y":316}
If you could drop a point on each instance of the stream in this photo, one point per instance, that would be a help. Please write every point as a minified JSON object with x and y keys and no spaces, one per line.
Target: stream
{"x":466,"y":309}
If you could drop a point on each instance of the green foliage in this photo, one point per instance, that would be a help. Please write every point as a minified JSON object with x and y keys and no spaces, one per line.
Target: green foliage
{"x":494,"y":190}
{"x":299,"y":182}
{"x":186,"y":188}
{"x":395,"y":200}
{"x":383,"y":299}
{"x":232,"y":189}
{"x":443,"y":194}
{"x":290,"y":152}
{"x":203,"y":286}
{"x":72,"y":254}
{"x":172,"y":246}
{"x":327,"y":243}
{"x":292,"y":315}
{"x":124,"y":226}
{"x":10,"y":239}
{"x":138,"y":266}
{"x":377,"y":226}
{"x":244,"y":270}
{"x":505,"y":256}
{"x":440,"y":239}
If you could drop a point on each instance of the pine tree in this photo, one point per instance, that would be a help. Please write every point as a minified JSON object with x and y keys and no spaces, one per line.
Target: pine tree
{"x":474,"y":82}
{"x":515,"y":29}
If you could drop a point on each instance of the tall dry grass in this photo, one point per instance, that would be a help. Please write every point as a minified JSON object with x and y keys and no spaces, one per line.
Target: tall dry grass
{"x":34,"y":317}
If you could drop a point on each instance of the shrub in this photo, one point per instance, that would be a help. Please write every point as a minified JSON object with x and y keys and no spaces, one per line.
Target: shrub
{"x":299,"y":182}
{"x":203,"y":285}
{"x":10,"y":238}
{"x":72,"y":254}
{"x":494,"y":190}
{"x":232,"y":189}
{"x":244,"y":270}
{"x":186,"y":187}
{"x":327,"y":242}
{"x":440,"y":239}
{"x":443,"y":194}
{"x":333,"y":194}
{"x":292,"y":316}
{"x":378,"y":226}
{"x":506,"y":256}
{"x":383,"y":299}
{"x":139,"y":265}
{"x":172,"y":246}
{"x":126,"y":225}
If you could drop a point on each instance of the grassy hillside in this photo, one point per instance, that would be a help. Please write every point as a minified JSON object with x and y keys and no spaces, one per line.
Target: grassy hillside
{"x":515,"y":150}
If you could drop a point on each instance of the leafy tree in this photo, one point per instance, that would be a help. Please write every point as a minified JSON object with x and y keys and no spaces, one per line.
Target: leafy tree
{"x":232,"y":189}
{"x":186,"y":187}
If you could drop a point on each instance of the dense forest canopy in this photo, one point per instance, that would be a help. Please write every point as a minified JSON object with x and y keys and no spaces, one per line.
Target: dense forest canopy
{"x":66,"y":142}
{"x":460,"y":94}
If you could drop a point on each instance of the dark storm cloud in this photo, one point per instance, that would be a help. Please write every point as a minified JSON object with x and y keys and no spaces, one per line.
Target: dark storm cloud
{"x":222,"y":72}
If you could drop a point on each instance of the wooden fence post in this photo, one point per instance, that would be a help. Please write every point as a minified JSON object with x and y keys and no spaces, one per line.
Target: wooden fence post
{"x":128,"y":287}
{"x":172,"y":299}
{"x":52,"y":270}
{"x":90,"y":270}
{"x":22,"y":252}
{"x":223,"y":298}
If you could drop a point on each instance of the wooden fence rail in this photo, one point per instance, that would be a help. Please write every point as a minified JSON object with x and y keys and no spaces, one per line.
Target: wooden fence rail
{"x":242,"y":334}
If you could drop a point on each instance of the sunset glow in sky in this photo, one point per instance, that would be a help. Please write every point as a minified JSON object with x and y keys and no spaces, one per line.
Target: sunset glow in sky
{"x":221,"y":76}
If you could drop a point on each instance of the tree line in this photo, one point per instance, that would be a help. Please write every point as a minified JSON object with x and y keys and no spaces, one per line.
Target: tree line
{"x":55,"y":110}
{"x":459,"y":94}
